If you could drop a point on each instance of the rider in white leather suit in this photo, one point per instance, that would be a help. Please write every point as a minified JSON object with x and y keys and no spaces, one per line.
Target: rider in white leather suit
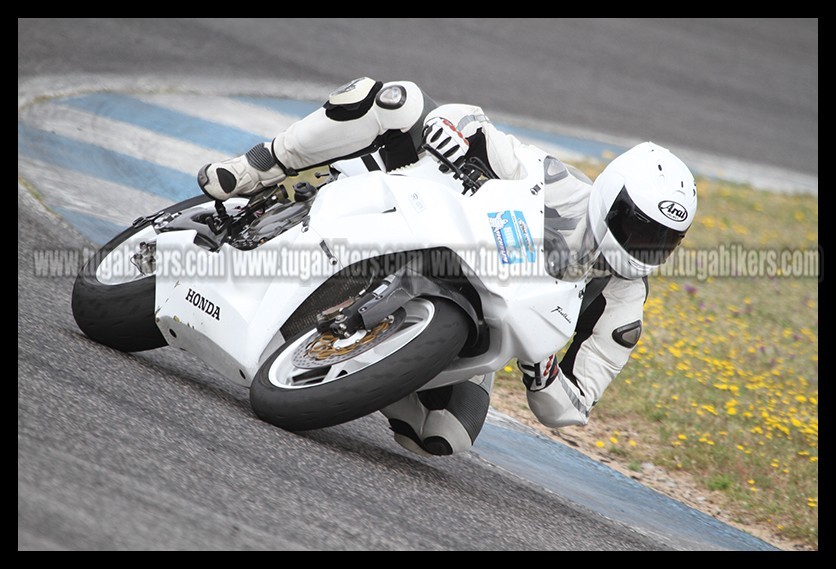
{"x":631,"y":218}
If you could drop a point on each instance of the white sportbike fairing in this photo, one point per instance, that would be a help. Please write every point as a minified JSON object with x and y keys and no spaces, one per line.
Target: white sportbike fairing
{"x":348,"y":299}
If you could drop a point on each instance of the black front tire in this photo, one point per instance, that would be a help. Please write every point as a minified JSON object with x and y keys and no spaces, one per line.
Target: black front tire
{"x":369,"y":389}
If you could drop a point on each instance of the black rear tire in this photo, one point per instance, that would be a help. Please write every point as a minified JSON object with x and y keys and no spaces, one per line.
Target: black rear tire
{"x":120,"y":316}
{"x":369,"y":389}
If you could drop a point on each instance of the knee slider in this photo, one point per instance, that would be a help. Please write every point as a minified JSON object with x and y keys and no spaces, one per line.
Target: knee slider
{"x":455,"y":418}
{"x":442,"y":434}
{"x":441,"y":421}
{"x":396,"y":105}
{"x":399,"y":105}
{"x":465,"y":403}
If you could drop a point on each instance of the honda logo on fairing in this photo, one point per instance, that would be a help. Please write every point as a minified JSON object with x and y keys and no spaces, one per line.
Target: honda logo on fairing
{"x":673,"y":210}
{"x":204,"y":304}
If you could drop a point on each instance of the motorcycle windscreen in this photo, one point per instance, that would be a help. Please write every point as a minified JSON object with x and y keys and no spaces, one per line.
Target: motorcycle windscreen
{"x":568,"y":245}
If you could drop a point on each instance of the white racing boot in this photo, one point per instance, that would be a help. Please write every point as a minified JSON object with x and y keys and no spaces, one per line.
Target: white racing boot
{"x":241,"y":176}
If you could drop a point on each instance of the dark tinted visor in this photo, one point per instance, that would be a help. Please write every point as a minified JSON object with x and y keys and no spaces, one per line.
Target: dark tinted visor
{"x":641,"y":236}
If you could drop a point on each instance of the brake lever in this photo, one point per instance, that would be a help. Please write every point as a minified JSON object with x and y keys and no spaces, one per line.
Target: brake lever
{"x":469,"y":184}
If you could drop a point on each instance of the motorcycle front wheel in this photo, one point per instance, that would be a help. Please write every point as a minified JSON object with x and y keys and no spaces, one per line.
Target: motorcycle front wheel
{"x":316,"y":380}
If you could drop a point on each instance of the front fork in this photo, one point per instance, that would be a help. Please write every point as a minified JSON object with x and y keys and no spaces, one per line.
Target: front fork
{"x":391,"y":293}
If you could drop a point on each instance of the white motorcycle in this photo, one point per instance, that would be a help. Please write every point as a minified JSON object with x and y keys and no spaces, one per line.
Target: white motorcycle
{"x":349,"y":297}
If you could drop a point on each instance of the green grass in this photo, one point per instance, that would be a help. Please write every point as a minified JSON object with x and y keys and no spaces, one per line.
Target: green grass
{"x":724,"y":381}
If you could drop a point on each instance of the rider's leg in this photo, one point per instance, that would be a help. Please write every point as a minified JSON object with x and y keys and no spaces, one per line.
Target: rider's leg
{"x":608,"y":328}
{"x":356,"y":119}
{"x":441,"y":421}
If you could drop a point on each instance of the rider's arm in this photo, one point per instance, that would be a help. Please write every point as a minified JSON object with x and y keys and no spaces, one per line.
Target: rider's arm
{"x":496,"y":148}
{"x":608,"y":329}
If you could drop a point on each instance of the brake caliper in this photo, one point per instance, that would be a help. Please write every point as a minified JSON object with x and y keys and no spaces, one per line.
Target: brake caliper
{"x":145,"y":260}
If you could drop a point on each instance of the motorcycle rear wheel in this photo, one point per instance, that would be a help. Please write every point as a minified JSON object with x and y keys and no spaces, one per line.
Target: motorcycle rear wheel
{"x":112,"y":302}
{"x":426,"y":337}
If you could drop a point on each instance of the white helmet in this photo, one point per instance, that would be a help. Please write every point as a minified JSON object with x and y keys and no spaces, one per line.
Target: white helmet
{"x":640,"y":207}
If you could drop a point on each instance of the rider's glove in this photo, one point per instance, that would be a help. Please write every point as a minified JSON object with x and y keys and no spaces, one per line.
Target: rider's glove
{"x":537,"y":376}
{"x":443,"y":135}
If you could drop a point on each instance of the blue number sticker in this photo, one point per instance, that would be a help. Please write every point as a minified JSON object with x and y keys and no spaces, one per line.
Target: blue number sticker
{"x":513,"y":238}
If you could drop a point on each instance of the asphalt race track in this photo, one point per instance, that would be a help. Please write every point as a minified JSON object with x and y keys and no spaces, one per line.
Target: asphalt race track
{"x":154,"y":451}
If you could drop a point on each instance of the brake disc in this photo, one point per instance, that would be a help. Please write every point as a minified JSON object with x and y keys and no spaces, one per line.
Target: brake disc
{"x":325,"y":349}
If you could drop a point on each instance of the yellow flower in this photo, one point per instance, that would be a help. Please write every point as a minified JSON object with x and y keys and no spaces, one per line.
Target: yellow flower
{"x":599,"y":444}
{"x":710,"y":409}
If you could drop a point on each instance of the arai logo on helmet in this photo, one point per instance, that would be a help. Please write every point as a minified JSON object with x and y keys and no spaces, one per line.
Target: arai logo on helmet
{"x":673,"y":210}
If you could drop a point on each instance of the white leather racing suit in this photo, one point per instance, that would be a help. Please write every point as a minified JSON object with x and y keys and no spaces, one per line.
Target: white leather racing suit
{"x":369,"y":119}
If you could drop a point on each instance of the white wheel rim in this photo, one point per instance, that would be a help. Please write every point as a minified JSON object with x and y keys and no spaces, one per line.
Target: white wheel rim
{"x":285,"y":375}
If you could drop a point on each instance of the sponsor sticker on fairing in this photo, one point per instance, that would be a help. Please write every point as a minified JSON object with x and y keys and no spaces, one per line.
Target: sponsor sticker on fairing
{"x":514,"y":242}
